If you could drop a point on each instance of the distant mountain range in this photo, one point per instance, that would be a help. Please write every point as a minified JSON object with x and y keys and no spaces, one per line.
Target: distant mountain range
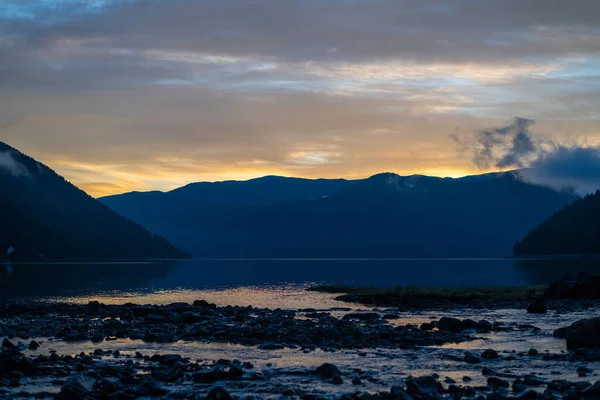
{"x":575,"y":229}
{"x":43,"y":215}
{"x":386,"y":215}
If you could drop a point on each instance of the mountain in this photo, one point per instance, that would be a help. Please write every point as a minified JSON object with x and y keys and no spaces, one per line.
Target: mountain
{"x":43,"y":215}
{"x":575,"y":229}
{"x":386,"y":215}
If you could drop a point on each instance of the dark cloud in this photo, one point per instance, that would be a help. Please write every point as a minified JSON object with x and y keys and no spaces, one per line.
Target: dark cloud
{"x":567,"y":167}
{"x":541,"y":160}
{"x":505,"y":147}
{"x":269,"y":85}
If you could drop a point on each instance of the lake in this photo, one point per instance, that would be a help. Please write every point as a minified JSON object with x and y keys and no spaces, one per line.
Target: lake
{"x":266,"y":282}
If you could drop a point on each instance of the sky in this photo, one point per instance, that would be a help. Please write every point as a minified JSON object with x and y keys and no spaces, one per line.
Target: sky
{"x":153,"y":94}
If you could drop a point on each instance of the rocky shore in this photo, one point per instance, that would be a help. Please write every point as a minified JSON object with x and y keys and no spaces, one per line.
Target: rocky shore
{"x":134,"y":351}
{"x":201,"y":321}
{"x":564,"y":295}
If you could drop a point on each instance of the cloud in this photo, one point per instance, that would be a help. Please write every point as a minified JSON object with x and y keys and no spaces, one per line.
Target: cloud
{"x":8,"y":163}
{"x":541,"y":160}
{"x":213,"y":89}
{"x":567,"y":167}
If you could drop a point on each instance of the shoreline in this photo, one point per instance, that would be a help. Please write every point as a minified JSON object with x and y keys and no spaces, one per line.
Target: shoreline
{"x":130,"y":351}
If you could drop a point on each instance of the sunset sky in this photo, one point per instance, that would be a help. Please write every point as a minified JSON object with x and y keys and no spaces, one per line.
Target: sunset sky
{"x":153,"y":94}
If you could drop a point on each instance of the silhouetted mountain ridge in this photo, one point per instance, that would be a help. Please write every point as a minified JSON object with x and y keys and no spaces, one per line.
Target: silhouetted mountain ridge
{"x":575,"y":229}
{"x":41,"y":214}
{"x":386,"y":215}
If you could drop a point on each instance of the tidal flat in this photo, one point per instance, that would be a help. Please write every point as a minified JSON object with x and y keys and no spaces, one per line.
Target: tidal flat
{"x":200,"y":350}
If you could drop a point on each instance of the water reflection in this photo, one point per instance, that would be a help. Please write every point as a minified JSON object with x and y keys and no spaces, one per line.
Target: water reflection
{"x":129,"y":281}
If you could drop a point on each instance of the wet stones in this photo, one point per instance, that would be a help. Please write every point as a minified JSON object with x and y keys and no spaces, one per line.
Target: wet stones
{"x":471,"y":358}
{"x":33,"y":345}
{"x":581,"y":334}
{"x":169,"y":359}
{"x":457,"y":326}
{"x":490,"y":354}
{"x":218,"y":393}
{"x":75,"y":388}
{"x":426,"y":386}
{"x":496,"y":382}
{"x":537,"y":306}
{"x":327,"y":371}
{"x":362,"y":316}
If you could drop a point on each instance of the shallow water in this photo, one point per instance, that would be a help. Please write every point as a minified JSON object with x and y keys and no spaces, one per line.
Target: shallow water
{"x":281,"y":284}
{"x":379,"y":368}
{"x":272,"y":283}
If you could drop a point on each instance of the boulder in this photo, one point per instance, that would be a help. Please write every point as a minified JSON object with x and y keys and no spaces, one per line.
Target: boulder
{"x":75,"y":388}
{"x":471,"y":358}
{"x":425,"y":386}
{"x":585,"y":287}
{"x":365,"y":316}
{"x":582,"y":334}
{"x":450,"y":324}
{"x":327,"y":371}
{"x":537,"y":306}
{"x":490,"y":354}
{"x":218,"y":393}
{"x":592,"y":391}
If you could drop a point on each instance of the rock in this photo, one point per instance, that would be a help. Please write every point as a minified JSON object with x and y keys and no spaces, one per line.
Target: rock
{"x":592,"y":391}
{"x":455,"y":325}
{"x":271,"y":346}
{"x":235,"y":372}
{"x":532,"y":380}
{"x":426,"y":386}
{"x":169,"y":359}
{"x":559,"y":385}
{"x":33,"y":345}
{"x":584,"y":370}
{"x":582,"y":334}
{"x":327,"y":371}
{"x":537,"y":306}
{"x":485,"y":326}
{"x":356,"y":381}
{"x":533,"y":352}
{"x":75,"y":388}
{"x":472,"y":358}
{"x":337,"y":380}
{"x":496,"y":396}
{"x":586,"y":287}
{"x":427,"y":326}
{"x":204,"y":303}
{"x":218,"y":393}
{"x":572,"y":394}
{"x":362,"y":316}
{"x":212,"y":375}
{"x":150,"y":388}
{"x":76,"y":337}
{"x":191,"y":317}
{"x":496,"y":382}
{"x":450,"y":325}
{"x":7,"y":344}
{"x":490,"y":354}
{"x":561,"y":333}
{"x":15,"y":361}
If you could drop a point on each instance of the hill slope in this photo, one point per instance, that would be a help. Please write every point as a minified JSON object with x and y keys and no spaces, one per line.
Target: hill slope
{"x":384,"y":216}
{"x":575,"y":229}
{"x":41,"y":214}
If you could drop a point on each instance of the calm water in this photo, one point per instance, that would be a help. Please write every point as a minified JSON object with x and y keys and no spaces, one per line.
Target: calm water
{"x":267,"y":283}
